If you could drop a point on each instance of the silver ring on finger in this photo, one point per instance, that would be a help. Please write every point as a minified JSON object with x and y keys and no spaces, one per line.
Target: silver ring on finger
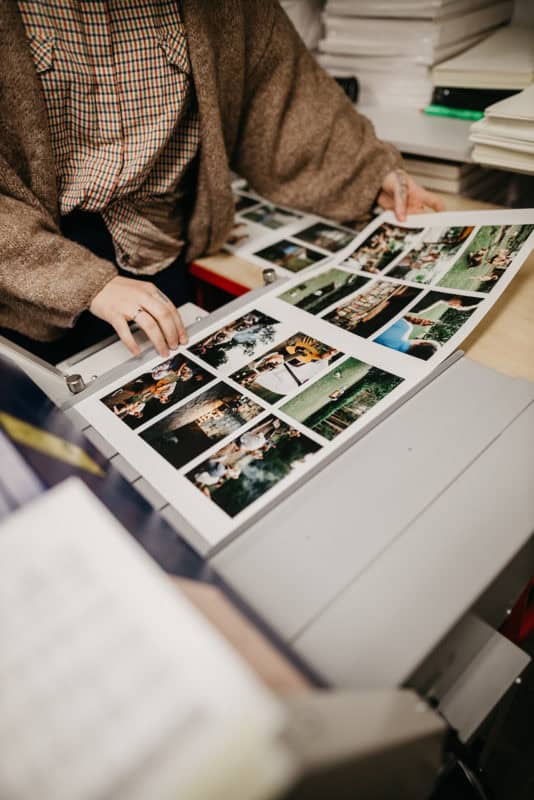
{"x":134,"y":316}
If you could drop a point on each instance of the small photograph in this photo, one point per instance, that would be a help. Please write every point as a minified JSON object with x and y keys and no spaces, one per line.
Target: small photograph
{"x":272,"y":217}
{"x":328,"y":237}
{"x":373,"y":307}
{"x":487,"y":258}
{"x":382,"y":246}
{"x":431,"y":257}
{"x":244,"y":201}
{"x":322,"y":291}
{"x":338,"y":400}
{"x":288,"y":366}
{"x":147,"y":395}
{"x":201,"y":423}
{"x":242,"y":471}
{"x":429,"y":324}
{"x":241,"y":338}
{"x":290,"y":255}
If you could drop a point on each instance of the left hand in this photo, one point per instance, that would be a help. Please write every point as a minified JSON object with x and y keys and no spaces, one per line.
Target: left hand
{"x":402,"y":194}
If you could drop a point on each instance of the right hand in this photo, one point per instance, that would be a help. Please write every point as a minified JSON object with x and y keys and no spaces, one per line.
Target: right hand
{"x":124,"y":299}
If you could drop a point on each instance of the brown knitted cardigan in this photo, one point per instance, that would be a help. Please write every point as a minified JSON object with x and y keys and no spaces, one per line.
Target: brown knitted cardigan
{"x":267,"y":111}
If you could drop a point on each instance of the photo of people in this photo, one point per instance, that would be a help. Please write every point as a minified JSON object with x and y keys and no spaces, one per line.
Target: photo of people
{"x":327,"y":237}
{"x":245,"y":469}
{"x":290,"y":255}
{"x":244,"y":201}
{"x":487,"y":258}
{"x":321,"y":291}
{"x":147,"y":395}
{"x":382,"y":246}
{"x":432,"y":255}
{"x":284,"y":369}
{"x":429,"y":324}
{"x":272,"y":217}
{"x":201,"y":423}
{"x":373,"y":307}
{"x":338,"y":400}
{"x":243,"y":337}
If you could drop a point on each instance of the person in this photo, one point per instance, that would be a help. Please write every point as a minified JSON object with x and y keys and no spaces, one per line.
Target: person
{"x":120,"y":125}
{"x":397,"y":337}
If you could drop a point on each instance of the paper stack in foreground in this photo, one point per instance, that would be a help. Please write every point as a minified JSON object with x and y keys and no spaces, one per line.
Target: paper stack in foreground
{"x":113,"y":686}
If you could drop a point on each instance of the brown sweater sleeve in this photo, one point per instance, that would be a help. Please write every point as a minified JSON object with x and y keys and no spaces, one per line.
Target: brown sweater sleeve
{"x":302,"y":143}
{"x":46,"y":281}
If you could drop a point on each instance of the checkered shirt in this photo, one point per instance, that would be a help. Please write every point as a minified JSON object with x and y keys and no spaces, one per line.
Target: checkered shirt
{"x":123,"y":118}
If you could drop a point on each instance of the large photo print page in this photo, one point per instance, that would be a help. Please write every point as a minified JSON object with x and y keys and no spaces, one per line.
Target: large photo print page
{"x":227,"y":425}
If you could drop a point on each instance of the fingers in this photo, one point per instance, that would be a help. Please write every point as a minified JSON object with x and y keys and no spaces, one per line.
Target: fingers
{"x":149,"y":325}
{"x":123,"y":330}
{"x":171,"y":315}
{"x":401,"y":194}
{"x":163,"y":315}
{"x":432,"y":201}
{"x":384,"y":201}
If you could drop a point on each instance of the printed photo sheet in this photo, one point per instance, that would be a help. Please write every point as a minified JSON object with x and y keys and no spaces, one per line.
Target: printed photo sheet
{"x":227,"y":425}
{"x":283,"y":239}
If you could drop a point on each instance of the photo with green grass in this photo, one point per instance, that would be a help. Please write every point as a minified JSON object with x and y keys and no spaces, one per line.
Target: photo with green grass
{"x":322,"y":291}
{"x":485,"y":261}
{"x":339,"y":399}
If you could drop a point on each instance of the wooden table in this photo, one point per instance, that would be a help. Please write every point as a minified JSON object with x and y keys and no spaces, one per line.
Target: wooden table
{"x":504,"y":340}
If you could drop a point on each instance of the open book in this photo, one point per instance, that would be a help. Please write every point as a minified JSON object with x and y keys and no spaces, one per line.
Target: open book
{"x":266,"y":396}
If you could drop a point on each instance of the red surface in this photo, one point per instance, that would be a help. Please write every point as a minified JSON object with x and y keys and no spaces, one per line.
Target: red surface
{"x":225,"y":284}
{"x":520,"y":623}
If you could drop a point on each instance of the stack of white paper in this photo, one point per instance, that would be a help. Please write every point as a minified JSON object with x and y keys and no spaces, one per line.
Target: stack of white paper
{"x":505,"y":60}
{"x":391,"y":46}
{"x":469,"y":180}
{"x":113,"y":686}
{"x":505,"y":137}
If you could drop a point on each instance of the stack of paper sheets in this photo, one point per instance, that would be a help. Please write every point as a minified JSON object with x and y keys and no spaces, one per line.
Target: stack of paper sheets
{"x":505,"y":137}
{"x":505,"y":60}
{"x":391,"y":46}
{"x":469,"y":180}
{"x":113,"y":686}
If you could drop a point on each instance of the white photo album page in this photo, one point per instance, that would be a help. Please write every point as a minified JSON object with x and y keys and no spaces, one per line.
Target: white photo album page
{"x":228,"y":423}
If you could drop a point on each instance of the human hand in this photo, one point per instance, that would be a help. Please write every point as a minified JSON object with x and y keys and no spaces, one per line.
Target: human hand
{"x":124,"y":300}
{"x":402,"y":194}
